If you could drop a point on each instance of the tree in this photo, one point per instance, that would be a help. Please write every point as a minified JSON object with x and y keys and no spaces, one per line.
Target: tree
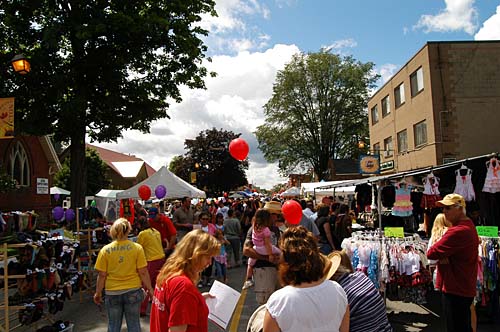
{"x":208,"y":156}
{"x":6,"y":182}
{"x":96,"y":173}
{"x":99,"y":67}
{"x":317,"y":112}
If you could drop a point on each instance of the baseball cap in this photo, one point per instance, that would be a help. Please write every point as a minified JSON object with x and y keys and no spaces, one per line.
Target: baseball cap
{"x":153,"y":212}
{"x":451,"y":199}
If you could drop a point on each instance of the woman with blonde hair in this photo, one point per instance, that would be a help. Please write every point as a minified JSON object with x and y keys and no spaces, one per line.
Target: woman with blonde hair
{"x":177,"y":303}
{"x":309,"y":301}
{"x":122,"y":266}
{"x":438,"y":229}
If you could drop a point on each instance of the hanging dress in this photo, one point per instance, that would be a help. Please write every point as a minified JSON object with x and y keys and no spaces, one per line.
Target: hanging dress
{"x":403,"y":206}
{"x":492,"y":181}
{"x":431,"y":191}
{"x":464,"y":185}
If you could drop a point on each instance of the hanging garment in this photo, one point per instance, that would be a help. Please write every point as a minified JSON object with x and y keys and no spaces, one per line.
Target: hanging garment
{"x":403,"y":206}
{"x":431,"y":184}
{"x":492,"y":181}
{"x":463,"y":184}
{"x":431,"y":191}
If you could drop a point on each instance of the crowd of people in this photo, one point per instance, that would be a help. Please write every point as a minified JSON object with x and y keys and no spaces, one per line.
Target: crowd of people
{"x":300,"y":276}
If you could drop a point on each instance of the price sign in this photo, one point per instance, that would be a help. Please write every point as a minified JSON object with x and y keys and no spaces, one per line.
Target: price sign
{"x":490,"y":231}
{"x":394,"y":232}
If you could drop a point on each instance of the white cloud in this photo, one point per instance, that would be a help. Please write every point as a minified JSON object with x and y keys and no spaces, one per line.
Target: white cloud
{"x":458,"y":15}
{"x":491,"y":28}
{"x":340,"y":44}
{"x":231,"y":14}
{"x":386,"y":71}
{"x":233,"y":101}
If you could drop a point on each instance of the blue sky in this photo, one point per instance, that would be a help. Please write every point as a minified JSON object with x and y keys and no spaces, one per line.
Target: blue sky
{"x":251,"y":40}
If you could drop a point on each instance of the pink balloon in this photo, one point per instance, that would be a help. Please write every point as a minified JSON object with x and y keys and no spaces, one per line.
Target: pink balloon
{"x":292,"y":211}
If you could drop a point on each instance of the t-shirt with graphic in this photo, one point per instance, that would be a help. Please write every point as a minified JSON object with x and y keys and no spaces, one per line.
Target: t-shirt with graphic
{"x":178,"y":302}
{"x":120,"y":260}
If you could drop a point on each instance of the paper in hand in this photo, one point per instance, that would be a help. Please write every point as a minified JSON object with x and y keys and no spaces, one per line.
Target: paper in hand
{"x":221,"y":307}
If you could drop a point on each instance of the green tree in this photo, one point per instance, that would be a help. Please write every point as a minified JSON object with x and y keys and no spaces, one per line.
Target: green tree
{"x":6,"y":182}
{"x":99,"y":67}
{"x":317,"y":112}
{"x":96,"y":173}
{"x":208,"y":156}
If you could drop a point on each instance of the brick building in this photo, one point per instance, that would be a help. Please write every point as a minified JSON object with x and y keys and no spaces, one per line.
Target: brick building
{"x":442,"y":105}
{"x":32,"y":162}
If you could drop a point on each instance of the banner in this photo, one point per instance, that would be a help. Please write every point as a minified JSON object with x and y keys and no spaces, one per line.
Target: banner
{"x":369,"y":164}
{"x":6,"y":117}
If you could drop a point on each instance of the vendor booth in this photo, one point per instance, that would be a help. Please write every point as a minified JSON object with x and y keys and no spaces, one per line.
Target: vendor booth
{"x":342,"y":191}
{"x":176,"y":187}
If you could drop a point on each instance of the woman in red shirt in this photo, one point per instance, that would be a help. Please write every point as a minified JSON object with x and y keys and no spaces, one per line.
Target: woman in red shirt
{"x":177,"y":304}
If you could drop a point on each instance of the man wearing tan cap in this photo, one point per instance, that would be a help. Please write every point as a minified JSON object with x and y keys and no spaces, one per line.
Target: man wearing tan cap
{"x":457,"y":252}
{"x":265,"y":273}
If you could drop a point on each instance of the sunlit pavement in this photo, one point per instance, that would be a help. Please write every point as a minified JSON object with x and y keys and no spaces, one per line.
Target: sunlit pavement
{"x":86,"y":316}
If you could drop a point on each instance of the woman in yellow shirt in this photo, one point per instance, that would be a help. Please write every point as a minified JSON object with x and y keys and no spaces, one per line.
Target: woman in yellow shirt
{"x":150,"y":240}
{"x":122,"y":266}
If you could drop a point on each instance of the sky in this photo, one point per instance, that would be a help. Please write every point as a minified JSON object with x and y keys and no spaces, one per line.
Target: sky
{"x":251,"y":40}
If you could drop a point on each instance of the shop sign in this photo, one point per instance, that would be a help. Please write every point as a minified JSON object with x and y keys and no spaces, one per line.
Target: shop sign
{"x":369,"y":164}
{"x":489,"y":231}
{"x":6,"y":117}
{"x":42,"y":186}
{"x":387,"y":165}
{"x":394,"y":232}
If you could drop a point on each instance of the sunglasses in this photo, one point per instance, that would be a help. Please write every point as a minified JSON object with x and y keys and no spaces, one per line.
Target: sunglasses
{"x":449,"y":207}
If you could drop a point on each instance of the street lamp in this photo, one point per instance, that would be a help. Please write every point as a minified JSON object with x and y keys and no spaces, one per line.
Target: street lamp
{"x":21,"y":64}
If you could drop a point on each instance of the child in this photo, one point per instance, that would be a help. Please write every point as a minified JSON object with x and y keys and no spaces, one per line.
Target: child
{"x":221,"y":259}
{"x":261,"y":238}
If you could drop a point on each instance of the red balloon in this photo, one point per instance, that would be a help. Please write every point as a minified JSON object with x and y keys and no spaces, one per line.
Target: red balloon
{"x":144,"y":192}
{"x":292,"y":211}
{"x":238,"y":148}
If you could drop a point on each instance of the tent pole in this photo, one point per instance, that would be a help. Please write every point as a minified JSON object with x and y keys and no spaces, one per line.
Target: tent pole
{"x":379,"y":206}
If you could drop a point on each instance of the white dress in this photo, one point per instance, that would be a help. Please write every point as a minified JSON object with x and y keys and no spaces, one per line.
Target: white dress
{"x":464,"y":185}
{"x":492,"y":181}
{"x":431,"y":184}
{"x":318,"y":309}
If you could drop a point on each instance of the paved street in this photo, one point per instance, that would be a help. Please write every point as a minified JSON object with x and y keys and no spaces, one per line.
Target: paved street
{"x":403,"y":316}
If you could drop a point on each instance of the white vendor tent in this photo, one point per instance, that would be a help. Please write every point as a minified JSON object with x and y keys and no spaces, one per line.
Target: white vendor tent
{"x":60,"y":191}
{"x":309,"y":188}
{"x":176,"y":187}
{"x":106,"y":203}
{"x":291,"y":192}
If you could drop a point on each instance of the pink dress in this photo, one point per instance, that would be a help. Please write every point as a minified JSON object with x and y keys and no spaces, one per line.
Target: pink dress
{"x":258,"y":237}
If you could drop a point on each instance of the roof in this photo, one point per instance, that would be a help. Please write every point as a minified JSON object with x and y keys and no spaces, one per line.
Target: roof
{"x":50,"y":152}
{"x":110,"y":157}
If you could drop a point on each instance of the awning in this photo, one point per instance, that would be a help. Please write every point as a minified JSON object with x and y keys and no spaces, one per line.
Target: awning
{"x":418,"y":171}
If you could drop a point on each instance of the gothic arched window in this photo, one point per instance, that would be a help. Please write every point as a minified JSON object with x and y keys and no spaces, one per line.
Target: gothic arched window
{"x":19,"y":168}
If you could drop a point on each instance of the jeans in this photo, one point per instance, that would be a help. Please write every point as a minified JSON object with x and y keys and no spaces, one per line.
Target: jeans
{"x":220,"y":270}
{"x":128,"y":304}
{"x":456,"y":311}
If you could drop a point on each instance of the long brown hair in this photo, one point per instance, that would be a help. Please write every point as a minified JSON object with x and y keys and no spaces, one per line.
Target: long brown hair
{"x":188,"y":255}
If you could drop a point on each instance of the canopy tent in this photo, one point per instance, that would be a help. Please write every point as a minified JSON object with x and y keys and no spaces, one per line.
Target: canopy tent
{"x":291,"y":192}
{"x":59,"y":191}
{"x":312,"y":188}
{"x":176,"y":187}
{"x":106,"y":203}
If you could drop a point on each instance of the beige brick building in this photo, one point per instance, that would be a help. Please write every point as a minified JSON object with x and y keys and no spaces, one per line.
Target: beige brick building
{"x":442,"y":105}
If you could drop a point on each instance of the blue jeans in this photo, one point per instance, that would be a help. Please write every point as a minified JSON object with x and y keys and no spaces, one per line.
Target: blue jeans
{"x":220,"y":270}
{"x":128,"y":304}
